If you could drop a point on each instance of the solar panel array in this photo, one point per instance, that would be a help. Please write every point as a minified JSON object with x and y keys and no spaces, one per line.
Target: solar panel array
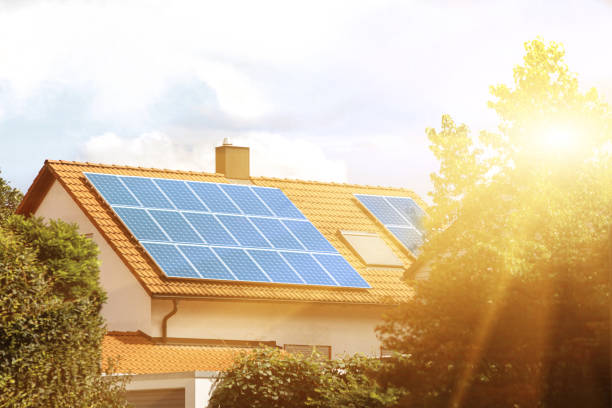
{"x":400,"y":215}
{"x":223,"y":231}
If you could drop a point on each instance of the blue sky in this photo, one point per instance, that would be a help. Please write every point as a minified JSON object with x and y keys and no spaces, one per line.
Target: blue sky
{"x":323,"y":90}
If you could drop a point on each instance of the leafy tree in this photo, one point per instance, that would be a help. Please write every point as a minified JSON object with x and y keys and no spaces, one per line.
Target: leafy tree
{"x":271,"y":378}
{"x":515,"y":311}
{"x":50,"y":326}
{"x":10,"y":198}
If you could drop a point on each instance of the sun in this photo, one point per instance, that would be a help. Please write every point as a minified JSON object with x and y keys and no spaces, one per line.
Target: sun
{"x":559,"y":139}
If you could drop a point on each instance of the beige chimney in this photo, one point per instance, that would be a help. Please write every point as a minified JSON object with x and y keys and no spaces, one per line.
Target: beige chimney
{"x":233,"y":161}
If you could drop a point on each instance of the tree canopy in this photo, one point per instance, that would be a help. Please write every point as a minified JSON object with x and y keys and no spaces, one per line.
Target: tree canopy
{"x":515,"y":311}
{"x":10,"y":198}
{"x":50,"y":326}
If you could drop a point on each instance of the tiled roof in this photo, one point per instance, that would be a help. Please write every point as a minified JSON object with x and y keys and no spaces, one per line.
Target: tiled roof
{"x":331,"y":207}
{"x":136,"y":353}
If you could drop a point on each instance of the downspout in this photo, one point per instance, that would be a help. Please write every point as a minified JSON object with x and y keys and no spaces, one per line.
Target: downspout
{"x":165,"y":320}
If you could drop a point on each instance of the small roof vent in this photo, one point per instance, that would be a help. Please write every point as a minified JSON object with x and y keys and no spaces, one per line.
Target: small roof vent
{"x":227,"y":141}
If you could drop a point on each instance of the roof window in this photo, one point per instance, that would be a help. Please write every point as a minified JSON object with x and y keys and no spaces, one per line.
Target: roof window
{"x":371,"y":248}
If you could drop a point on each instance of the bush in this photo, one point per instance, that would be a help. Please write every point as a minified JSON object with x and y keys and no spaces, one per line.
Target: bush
{"x":272,"y":378}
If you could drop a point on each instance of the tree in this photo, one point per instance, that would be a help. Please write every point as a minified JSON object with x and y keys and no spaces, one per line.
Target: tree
{"x":50,"y":326}
{"x":515,"y":312}
{"x":272,"y":378}
{"x":10,"y":198}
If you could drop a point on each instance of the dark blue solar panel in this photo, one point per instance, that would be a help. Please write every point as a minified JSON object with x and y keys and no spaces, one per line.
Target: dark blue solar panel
{"x":278,"y":202}
{"x":180,"y":195}
{"x":210,"y":229}
{"x":382,"y":210}
{"x":214,"y":198}
{"x":310,"y":237}
{"x":241,"y":264}
{"x":275,"y":266}
{"x":205,"y":261}
{"x":276,"y":233}
{"x":170,"y":260}
{"x":246,"y":199}
{"x":309,"y":269}
{"x":342,"y":271}
{"x":243,"y":231}
{"x":146,"y":192}
{"x":409,"y":209}
{"x":175,"y":226}
{"x":140,"y":224}
{"x":111,"y":188}
{"x":409,"y":236}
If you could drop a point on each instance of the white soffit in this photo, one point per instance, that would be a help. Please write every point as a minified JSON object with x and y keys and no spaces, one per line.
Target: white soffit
{"x":371,"y":248}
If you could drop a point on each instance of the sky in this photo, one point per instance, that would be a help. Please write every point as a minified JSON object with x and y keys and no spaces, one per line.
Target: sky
{"x":329,"y":90}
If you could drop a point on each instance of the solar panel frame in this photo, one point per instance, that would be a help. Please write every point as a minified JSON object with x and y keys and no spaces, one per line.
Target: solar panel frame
{"x":161,"y":236}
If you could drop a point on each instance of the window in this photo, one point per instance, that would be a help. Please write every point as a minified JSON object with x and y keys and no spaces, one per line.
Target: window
{"x":307,"y":350}
{"x":371,"y":248}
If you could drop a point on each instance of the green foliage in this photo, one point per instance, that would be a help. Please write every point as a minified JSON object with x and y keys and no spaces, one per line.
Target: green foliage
{"x":10,"y":198}
{"x":516,"y":309}
{"x":50,"y":333}
{"x":272,"y":378}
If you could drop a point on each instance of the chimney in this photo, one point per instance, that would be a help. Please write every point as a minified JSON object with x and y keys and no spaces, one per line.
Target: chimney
{"x":232,"y":161}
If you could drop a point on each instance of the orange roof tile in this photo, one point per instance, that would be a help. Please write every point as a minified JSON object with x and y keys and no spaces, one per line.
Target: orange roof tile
{"x":331,"y":207}
{"x":136,"y":353}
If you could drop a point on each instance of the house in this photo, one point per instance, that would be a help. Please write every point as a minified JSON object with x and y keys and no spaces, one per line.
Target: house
{"x":178,"y":313}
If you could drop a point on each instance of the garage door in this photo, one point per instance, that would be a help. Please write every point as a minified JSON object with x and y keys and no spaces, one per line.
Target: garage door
{"x":174,"y":398}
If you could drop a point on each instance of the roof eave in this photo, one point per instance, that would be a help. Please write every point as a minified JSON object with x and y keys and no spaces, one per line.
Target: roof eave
{"x":37,"y":191}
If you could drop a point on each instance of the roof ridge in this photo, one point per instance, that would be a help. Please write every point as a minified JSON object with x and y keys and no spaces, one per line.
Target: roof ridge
{"x":332,"y":183}
{"x":128,"y":167}
{"x":192,"y":172}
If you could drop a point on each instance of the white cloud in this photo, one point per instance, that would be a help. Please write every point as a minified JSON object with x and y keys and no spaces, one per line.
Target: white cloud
{"x":272,"y":155}
{"x":152,"y":149}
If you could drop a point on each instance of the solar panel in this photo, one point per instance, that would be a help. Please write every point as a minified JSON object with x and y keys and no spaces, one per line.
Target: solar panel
{"x":210,"y":229}
{"x":141,"y":224}
{"x":276,"y":233}
{"x":409,"y":236}
{"x":409,"y":209}
{"x":113,"y":191}
{"x":241,"y":264}
{"x":311,"y":270}
{"x":146,"y":192}
{"x":310,"y":237}
{"x":206,"y":262}
{"x":278,"y":203}
{"x":382,"y":210}
{"x":243,"y":231}
{"x":341,"y":270}
{"x":246,"y":200}
{"x":175,"y":226}
{"x":229,"y":232}
{"x":215,"y":199}
{"x":400,"y":215}
{"x":170,"y":260}
{"x":275,"y":266}
{"x":180,"y":195}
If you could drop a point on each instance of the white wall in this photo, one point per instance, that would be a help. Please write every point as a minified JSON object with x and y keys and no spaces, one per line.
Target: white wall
{"x":128,"y":307}
{"x":347,"y":328}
